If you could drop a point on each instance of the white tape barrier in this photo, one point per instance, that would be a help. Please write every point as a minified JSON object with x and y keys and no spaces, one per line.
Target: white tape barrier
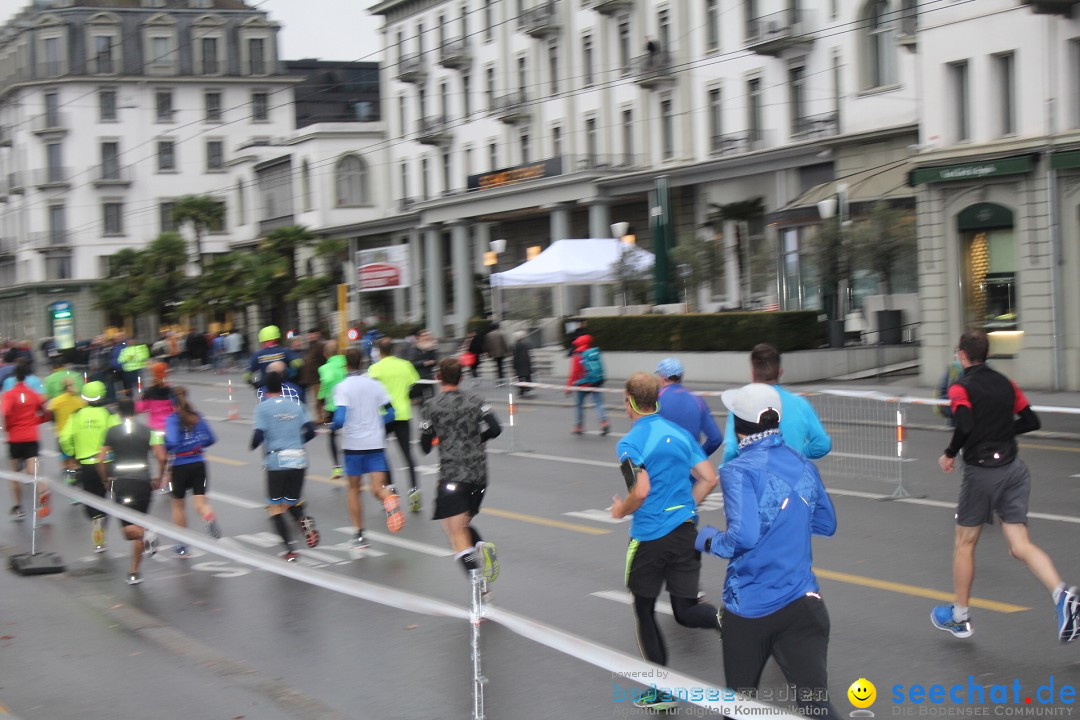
{"x":624,"y":668}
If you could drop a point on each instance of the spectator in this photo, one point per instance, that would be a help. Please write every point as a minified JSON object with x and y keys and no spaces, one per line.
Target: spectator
{"x":495,"y":347}
{"x":522,"y":361}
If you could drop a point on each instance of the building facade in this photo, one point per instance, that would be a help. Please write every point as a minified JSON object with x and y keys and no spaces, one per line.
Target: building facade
{"x":109,"y":111}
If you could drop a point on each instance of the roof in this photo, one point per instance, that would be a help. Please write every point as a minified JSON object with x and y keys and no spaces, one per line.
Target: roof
{"x":573,"y":262}
{"x":138,"y":5}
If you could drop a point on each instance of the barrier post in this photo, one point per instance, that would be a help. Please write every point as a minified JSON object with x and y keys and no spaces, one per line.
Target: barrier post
{"x":510,"y":401}
{"x":36,"y":563}
{"x":476,"y":615}
{"x":234,"y":412}
{"x":901,"y":433}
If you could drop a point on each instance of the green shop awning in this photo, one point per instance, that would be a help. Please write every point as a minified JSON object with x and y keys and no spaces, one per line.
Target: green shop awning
{"x":1016,"y":165}
{"x":1065,"y":160}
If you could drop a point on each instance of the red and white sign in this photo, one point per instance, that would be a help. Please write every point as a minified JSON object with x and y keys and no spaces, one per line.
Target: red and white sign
{"x":385,"y":268}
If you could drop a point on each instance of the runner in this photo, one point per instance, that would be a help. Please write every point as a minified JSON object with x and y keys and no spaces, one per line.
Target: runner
{"x":56,"y":382}
{"x":270,"y":350}
{"x":800,"y":427}
{"x":774,"y":502}
{"x":129,"y":444}
{"x":331,"y":373}
{"x":23,"y":410}
{"x":358,"y":400}
{"x":425,"y":358}
{"x":157,"y":400}
{"x":31,"y":380}
{"x":187,"y":434}
{"x":289,"y":391}
{"x":82,"y":438}
{"x":132,"y":361}
{"x":685,"y":409}
{"x":62,"y":407}
{"x":989,"y":411}
{"x":461,"y":423}
{"x":658,"y":460}
{"x":399,"y":376}
{"x":283,"y":425}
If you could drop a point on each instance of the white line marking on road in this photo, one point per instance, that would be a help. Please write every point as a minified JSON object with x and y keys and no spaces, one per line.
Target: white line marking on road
{"x":419,"y":547}
{"x":1077,"y":475}
{"x":322,"y":557}
{"x":237,"y":501}
{"x":603,"y":516}
{"x":353,"y":553}
{"x":943,"y":504}
{"x":560,"y":458}
{"x":625,"y":598}
{"x":262,"y":539}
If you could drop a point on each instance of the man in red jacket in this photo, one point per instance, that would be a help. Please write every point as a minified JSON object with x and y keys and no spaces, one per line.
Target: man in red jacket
{"x":23,"y":411}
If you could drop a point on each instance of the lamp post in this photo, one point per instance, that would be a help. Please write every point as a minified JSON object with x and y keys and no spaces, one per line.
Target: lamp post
{"x":491,"y":259}
{"x":830,"y":207}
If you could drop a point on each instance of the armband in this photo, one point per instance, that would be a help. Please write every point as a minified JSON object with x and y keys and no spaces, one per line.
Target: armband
{"x":630,"y":472}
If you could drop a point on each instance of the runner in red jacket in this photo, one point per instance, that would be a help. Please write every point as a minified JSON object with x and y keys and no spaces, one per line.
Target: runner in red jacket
{"x":23,"y":411}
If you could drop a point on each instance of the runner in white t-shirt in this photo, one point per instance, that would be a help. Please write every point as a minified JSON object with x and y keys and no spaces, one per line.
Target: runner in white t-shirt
{"x":362,"y":408}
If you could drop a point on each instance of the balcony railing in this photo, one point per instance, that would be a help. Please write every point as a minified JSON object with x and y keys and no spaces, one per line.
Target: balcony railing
{"x":406,"y":204}
{"x":51,"y":122}
{"x":653,"y":69}
{"x":540,"y":21}
{"x":773,"y":33}
{"x":512,"y":108}
{"x":16,"y":182}
{"x":52,"y":177}
{"x":1052,"y":7}
{"x":622,"y":162}
{"x":738,"y":143}
{"x":435,"y":130}
{"x":815,"y":126}
{"x":411,"y":68}
{"x":108,"y":174}
{"x":50,"y":239}
{"x":608,"y":7}
{"x":455,"y":54}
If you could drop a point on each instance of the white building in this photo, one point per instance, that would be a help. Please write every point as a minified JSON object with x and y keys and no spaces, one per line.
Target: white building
{"x":540,"y":123}
{"x":109,"y":110}
{"x":999,"y":186}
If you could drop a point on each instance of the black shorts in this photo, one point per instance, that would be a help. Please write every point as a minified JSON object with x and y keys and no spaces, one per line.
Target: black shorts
{"x":283,"y":487}
{"x":458,"y":499}
{"x":132,"y":493}
{"x":90,"y":480}
{"x":23,"y":450}
{"x":988,"y":490}
{"x":191,"y":476}
{"x":670,"y":559}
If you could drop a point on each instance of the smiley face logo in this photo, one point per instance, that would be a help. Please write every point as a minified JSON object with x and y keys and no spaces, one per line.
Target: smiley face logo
{"x":862,"y":693}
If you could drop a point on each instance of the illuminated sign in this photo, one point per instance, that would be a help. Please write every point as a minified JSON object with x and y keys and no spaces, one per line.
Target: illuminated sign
{"x":516,"y":175}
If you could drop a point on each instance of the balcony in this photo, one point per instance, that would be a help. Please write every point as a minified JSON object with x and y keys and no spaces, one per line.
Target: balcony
{"x":52,"y":177}
{"x":50,"y":122}
{"x":737,"y":143}
{"x":268,"y":225}
{"x":405,"y":205}
{"x":773,"y":33}
{"x":511,"y":109}
{"x":653,"y":69}
{"x":7,"y":248}
{"x":454,"y":54}
{"x":411,"y":69}
{"x":1052,"y":7}
{"x":5,"y":136}
{"x":16,"y":183}
{"x":435,"y":131}
{"x":540,"y":21}
{"x":50,"y":241}
{"x":608,"y":7}
{"x":109,"y":175}
{"x":816,"y":126}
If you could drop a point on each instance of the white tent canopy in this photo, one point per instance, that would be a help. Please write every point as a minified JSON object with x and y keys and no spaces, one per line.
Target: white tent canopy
{"x":573,"y":262}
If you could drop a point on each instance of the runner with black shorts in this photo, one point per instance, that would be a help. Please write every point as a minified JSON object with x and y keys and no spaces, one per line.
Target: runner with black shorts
{"x":130,"y":444}
{"x":667,"y":476}
{"x":989,"y":411}
{"x":461,"y":423}
{"x":23,"y":410}
{"x":283,"y":425}
{"x":187,"y":434}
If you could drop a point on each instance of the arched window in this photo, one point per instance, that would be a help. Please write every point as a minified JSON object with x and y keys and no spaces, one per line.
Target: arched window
{"x":879,"y":53}
{"x":352,"y":189}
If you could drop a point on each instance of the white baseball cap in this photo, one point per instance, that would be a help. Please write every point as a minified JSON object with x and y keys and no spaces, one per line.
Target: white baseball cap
{"x":751,"y":401}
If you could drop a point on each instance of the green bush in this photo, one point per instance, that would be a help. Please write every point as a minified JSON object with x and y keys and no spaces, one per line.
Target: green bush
{"x":711,"y":332}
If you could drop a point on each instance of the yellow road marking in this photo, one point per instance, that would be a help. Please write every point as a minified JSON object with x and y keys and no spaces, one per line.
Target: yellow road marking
{"x":915,"y":590}
{"x":226,"y":461}
{"x":1033,"y":446}
{"x":548,"y":522}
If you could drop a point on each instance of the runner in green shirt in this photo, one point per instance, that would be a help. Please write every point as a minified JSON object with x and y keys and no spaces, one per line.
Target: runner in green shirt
{"x":398,"y":376}
{"x":331,"y":373}
{"x":55,"y":384}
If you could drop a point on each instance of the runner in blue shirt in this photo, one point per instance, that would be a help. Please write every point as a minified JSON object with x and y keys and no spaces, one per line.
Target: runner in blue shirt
{"x":686,"y":409}
{"x":667,"y":476}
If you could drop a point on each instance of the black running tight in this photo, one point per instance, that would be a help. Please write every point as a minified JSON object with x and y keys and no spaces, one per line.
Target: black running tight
{"x":688,"y":612}
{"x":400,"y":429}
{"x":335,"y":456}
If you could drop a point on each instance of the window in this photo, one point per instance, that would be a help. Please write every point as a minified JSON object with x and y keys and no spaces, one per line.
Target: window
{"x":628,"y":137}
{"x":420,"y":38}
{"x":712,"y":24}
{"x":103,"y":55}
{"x":215,"y":155}
{"x":797,"y":98}
{"x":446,"y":171}
{"x":112,"y":217}
{"x":556,"y":141}
{"x":424,"y":179}
{"x":351,"y":181}
{"x":52,"y":49}
{"x":161,"y":55}
{"x":989,"y":274}
{"x":716,"y":120}
{"x":590,"y":142}
{"x":260,"y":107}
{"x":667,"y":127}
{"x":210,"y":62}
{"x":403,"y":114}
{"x":54,"y":158}
{"x":624,"y":44}
{"x":493,"y":156}
{"x":241,"y":203}
{"x":553,"y":66}
{"x":213,"y":106}
{"x":490,"y":73}
{"x":52,"y":110}
{"x":489,"y":19}
{"x":165,"y":215}
{"x":523,"y":76}
{"x":166,"y":156}
{"x":164,"y":105}
{"x":879,"y":53}
{"x":444,"y":100}
{"x":110,"y":160}
{"x":587,"y":59}
{"x":256,"y":48}
{"x":305,"y":187}
{"x":523,"y":136}
{"x":57,"y":225}
{"x":1005,"y":68}
{"x":753,"y":119}
{"x":107,"y":105}
{"x":467,"y":160}
{"x":464,"y":21}
{"x":958,"y":100}
{"x":466,"y":92}
{"x":421,"y":98}
{"x":58,"y":267}
{"x":663,"y":30}
{"x":405,"y":180}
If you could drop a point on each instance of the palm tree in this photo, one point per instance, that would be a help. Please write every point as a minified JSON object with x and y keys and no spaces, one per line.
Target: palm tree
{"x":204,"y":212}
{"x":284,"y":243}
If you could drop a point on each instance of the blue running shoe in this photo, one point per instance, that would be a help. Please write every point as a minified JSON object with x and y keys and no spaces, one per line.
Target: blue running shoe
{"x":942,"y":618}
{"x":1068,"y":615}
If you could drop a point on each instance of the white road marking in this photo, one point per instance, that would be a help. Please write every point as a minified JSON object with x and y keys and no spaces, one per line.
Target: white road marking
{"x":560,"y":458}
{"x":265,"y":539}
{"x":943,"y":504}
{"x":625,"y":598}
{"x":603,"y":516}
{"x":237,"y":501}
{"x":322,"y":557}
{"x":353,"y":553}
{"x":413,"y":545}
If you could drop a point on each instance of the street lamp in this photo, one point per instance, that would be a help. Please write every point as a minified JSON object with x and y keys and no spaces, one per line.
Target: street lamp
{"x":829,"y":208}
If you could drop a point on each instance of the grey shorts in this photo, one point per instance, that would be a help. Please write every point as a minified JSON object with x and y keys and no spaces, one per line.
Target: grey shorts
{"x":988,"y":490}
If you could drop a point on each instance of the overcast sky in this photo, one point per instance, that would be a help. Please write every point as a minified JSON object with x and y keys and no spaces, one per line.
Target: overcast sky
{"x":324,"y":29}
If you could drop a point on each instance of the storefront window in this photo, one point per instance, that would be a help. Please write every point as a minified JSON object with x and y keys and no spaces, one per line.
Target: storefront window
{"x":989,"y":275}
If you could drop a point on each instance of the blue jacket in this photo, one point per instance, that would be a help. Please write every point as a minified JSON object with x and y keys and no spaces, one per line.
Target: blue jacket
{"x":799,"y":425}
{"x":187,"y":445}
{"x":264,"y":356}
{"x":774,"y":501}
{"x":690,"y":412}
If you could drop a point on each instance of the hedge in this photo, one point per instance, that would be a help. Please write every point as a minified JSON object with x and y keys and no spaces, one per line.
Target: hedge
{"x":728,"y":331}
